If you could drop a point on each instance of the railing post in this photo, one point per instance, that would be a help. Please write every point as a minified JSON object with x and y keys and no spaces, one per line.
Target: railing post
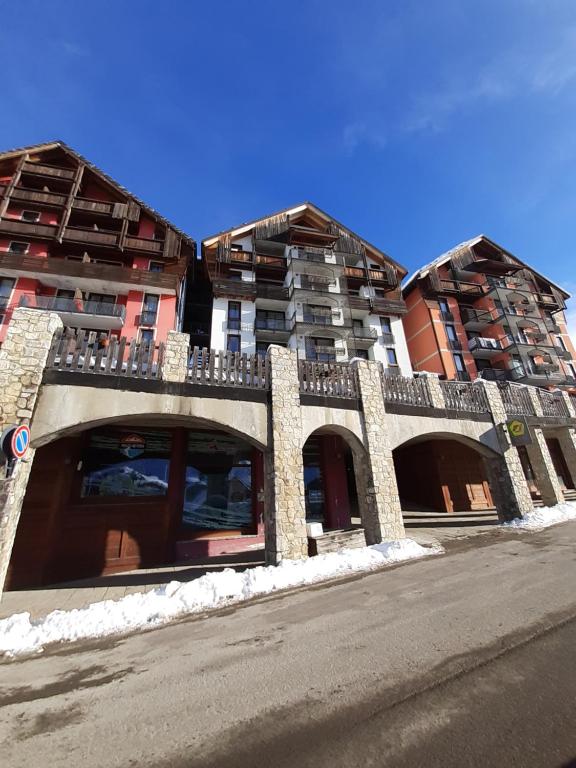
{"x":541,"y":460}
{"x":507,"y":480}
{"x":378,"y":490}
{"x":176,"y":357}
{"x":22,"y":360}
{"x":285,"y":509}
{"x":436,"y":395}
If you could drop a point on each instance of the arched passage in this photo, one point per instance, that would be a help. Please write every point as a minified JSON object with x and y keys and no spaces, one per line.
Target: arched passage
{"x":332,"y":458}
{"x":133,"y":493}
{"x":443,"y":473}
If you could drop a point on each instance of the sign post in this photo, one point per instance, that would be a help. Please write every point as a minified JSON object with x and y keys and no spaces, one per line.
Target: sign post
{"x":519,"y":431}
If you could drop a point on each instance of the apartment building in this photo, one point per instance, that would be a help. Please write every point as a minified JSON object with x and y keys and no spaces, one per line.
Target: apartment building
{"x":73,"y":241}
{"x":479,"y":311}
{"x":301,"y":279}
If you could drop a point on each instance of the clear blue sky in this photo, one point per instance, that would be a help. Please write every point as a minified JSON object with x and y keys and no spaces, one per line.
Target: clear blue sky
{"x":418,"y":124}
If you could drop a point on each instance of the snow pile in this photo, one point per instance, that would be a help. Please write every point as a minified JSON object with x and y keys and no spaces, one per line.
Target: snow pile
{"x":18,"y":634}
{"x":545,"y":516}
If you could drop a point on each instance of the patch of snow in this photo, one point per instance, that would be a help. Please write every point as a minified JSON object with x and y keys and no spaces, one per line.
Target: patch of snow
{"x":544,"y":517}
{"x":21,"y":635}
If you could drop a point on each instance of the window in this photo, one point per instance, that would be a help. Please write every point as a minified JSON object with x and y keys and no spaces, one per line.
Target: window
{"x":233,"y":342}
{"x":451,"y":333}
{"x":18,"y":247}
{"x":571,"y":369}
{"x":459,"y":363}
{"x":361,"y":353}
{"x":386,"y":325}
{"x":31,"y":216}
{"x":218,"y":483}
{"x":156,"y":266}
{"x":126,"y":463}
{"x":391,"y":356}
{"x":147,"y":336}
{"x":149,"y":309}
{"x":443,"y":304}
{"x":262,"y":348}
{"x":313,"y":481}
{"x":6,"y":286}
{"x":234,"y":315}
{"x":101,"y":298}
{"x":560,"y":342}
{"x":270,"y":320}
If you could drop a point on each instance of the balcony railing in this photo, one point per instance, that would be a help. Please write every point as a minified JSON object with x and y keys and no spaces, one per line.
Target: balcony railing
{"x":464,"y":397}
{"x":240,"y":288}
{"x":552,"y":326}
{"x":473,"y":290}
{"x":563,"y":354}
{"x":483,"y":343}
{"x":73,"y":306}
{"x":552,"y":405}
{"x":318,"y":256}
{"x":366,"y":333}
{"x":41,"y":169}
{"x":317,"y":319}
{"x":475,"y":317}
{"x":516,"y":399}
{"x":276,"y":292}
{"x":328,"y":379}
{"x":401,"y":390}
{"x":272,"y":324}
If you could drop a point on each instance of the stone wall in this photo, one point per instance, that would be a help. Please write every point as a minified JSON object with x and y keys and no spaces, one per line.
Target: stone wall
{"x":176,"y":355}
{"x":285,"y":509}
{"x":22,"y":360}
{"x":382,"y":518}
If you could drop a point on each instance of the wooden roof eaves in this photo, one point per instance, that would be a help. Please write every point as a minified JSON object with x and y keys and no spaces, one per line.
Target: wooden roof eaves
{"x":103,"y":176}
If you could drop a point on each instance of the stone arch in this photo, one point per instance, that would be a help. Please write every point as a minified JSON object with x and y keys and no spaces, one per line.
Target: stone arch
{"x":446,"y":472}
{"x":481,"y":435}
{"x":346,"y":422}
{"x":65,"y":410}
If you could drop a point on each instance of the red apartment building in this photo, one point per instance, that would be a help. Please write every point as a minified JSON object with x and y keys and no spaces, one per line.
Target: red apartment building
{"x":477,"y":310}
{"x":75,"y":242}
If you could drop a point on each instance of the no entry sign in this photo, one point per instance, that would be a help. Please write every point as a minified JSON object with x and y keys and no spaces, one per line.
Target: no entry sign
{"x":15,"y":442}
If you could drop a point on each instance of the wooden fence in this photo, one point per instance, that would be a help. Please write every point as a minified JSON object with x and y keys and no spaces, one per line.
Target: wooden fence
{"x":552,"y":405}
{"x":516,"y":399}
{"x":88,"y":353}
{"x":225,"y":369}
{"x":328,"y":379}
{"x":462,"y":396}
{"x":406,"y":391}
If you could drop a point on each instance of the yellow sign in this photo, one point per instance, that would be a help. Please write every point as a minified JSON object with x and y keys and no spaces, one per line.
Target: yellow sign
{"x":516,"y":428}
{"x":519,"y":432}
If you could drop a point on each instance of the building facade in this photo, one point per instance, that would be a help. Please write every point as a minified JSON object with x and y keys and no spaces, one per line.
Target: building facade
{"x":477,"y":310}
{"x":74,"y":242}
{"x":302,"y":280}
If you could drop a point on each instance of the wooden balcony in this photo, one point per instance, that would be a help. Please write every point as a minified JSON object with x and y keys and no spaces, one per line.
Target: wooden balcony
{"x":25,"y":230}
{"x":242,"y":289}
{"x":57,"y":272}
{"x":144,"y":244}
{"x":40,"y":169}
{"x":372,"y":275}
{"x":92,"y":236}
{"x":459,"y":287}
{"x":94,"y":206}
{"x":37,"y":197}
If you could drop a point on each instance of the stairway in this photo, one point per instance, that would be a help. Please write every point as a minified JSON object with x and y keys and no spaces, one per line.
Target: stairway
{"x":416,"y":519}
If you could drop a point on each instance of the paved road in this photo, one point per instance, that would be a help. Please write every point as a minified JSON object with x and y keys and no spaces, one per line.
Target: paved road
{"x":462,"y":660}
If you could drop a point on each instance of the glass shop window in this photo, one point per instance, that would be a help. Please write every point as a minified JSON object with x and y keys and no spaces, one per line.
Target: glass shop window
{"x":218,"y":485}
{"x":126,"y":463}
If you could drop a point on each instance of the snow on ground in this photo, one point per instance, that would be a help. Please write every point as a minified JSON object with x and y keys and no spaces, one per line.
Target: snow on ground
{"x":20,"y":635}
{"x":544,"y":516}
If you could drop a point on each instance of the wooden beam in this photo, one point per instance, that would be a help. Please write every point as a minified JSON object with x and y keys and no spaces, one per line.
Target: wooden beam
{"x":68,"y":208}
{"x":13,"y":181}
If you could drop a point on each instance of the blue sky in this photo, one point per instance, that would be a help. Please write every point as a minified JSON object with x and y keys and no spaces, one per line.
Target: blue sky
{"x":418,"y":124}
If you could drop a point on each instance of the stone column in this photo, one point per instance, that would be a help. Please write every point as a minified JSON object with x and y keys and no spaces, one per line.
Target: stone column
{"x":567,"y":439}
{"x":22,"y":360}
{"x":285,"y":509}
{"x":507,"y":481}
{"x":382,"y":518}
{"x":436,"y":394}
{"x":176,"y":357}
{"x":541,"y":461}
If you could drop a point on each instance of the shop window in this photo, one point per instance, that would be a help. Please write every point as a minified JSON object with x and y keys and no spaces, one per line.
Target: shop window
{"x":218,"y":485}
{"x":126,"y":463}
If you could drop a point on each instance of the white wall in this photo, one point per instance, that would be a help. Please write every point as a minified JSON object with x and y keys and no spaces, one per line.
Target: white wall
{"x":378,"y":350}
{"x":401,"y":347}
{"x":220,"y":332}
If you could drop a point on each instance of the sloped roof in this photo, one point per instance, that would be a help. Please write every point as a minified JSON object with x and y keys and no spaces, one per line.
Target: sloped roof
{"x":47,"y":146}
{"x":445,"y":257}
{"x":292,"y":210}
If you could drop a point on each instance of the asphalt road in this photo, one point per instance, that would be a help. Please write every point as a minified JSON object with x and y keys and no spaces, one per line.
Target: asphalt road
{"x":468,"y":659}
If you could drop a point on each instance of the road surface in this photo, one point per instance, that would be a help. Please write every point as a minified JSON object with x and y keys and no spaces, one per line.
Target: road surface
{"x":468,"y":659}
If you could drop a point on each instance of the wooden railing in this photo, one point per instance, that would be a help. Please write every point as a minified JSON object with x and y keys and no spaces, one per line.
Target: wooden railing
{"x":402,"y":390}
{"x":328,"y":379}
{"x":552,"y":405}
{"x":228,"y":369}
{"x":461,"y":396}
{"x":516,"y":399}
{"x":84,"y":352}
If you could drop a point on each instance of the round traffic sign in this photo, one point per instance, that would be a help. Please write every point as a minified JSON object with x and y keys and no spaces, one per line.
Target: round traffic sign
{"x":20,"y":441}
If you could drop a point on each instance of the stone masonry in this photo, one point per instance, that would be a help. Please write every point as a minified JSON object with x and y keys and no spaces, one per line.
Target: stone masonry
{"x":541,"y":461}
{"x":507,"y":481}
{"x":22,"y":360}
{"x":382,"y":519}
{"x":285,"y":513}
{"x":176,"y":354}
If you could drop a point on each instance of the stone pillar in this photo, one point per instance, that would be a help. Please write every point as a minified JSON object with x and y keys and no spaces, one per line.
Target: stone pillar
{"x":567,"y":440}
{"x":22,"y":360}
{"x":285,"y":509}
{"x":176,"y":357}
{"x":436,"y":394}
{"x":507,"y":481}
{"x":382,"y":518}
{"x":541,"y":461}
